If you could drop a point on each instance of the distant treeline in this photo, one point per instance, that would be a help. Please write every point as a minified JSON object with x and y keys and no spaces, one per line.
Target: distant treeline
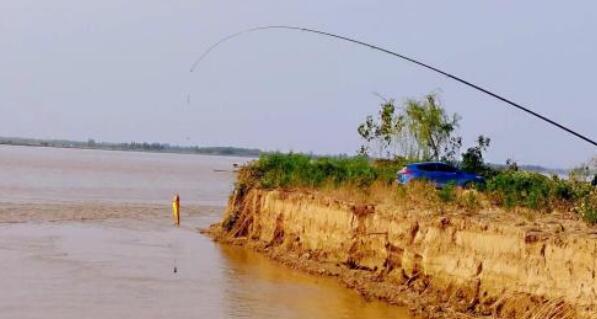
{"x":562,"y":172}
{"x":218,"y":150}
{"x":132,"y":146}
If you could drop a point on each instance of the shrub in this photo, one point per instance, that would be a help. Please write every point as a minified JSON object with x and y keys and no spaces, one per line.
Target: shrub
{"x":472,"y":159}
{"x":516,"y":188}
{"x":532,"y":190}
{"x":386,"y":169}
{"x":447,"y":193}
{"x":570,"y":190}
{"x":587,"y":207}
{"x":297,"y":170}
{"x":361,"y":179}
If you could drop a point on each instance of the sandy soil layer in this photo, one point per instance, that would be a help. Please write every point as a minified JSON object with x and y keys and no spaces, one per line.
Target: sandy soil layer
{"x":495,"y":263}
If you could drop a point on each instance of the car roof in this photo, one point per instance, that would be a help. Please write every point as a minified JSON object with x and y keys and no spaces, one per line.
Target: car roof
{"x":427,"y":163}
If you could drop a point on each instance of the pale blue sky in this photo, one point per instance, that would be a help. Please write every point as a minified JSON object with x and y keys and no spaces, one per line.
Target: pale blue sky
{"x":117,"y":70}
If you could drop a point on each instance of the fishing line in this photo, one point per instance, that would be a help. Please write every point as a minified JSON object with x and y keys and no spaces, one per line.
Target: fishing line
{"x":176,"y":246}
{"x":398,"y":55}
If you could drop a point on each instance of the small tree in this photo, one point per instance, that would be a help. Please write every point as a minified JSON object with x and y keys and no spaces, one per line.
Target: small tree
{"x":472,"y":159}
{"x":451,"y":150}
{"x":431,"y":126}
{"x":368,"y":132}
{"x":381,"y":133}
{"x":420,"y":130}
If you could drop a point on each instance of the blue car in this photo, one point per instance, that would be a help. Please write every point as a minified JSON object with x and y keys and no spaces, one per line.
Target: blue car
{"x":440,"y":174}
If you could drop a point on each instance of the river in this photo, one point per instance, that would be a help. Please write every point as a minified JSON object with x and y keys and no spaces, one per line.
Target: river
{"x":82,"y":265}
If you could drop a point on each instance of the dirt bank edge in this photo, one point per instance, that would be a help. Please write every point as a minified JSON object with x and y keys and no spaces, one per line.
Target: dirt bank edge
{"x":433,"y":264}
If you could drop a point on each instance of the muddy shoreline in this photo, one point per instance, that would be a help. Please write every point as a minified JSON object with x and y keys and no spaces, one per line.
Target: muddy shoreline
{"x":496,"y":263}
{"x":363,"y":282}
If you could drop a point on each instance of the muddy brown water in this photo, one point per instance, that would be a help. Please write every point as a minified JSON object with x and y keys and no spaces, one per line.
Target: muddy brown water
{"x":124,"y":267}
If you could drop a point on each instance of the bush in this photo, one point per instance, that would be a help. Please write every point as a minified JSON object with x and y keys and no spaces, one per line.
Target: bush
{"x":386,"y":169}
{"x":447,"y":193}
{"x":570,"y":190}
{"x":472,"y":159}
{"x":368,"y":179}
{"x":587,"y":207}
{"x":297,"y":170}
{"x":516,"y":188}
{"x":532,"y":190}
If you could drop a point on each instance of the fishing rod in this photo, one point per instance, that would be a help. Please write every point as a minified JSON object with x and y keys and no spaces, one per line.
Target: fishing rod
{"x":398,"y":55}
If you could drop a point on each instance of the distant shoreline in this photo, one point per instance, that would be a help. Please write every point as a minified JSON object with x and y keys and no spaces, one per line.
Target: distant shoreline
{"x":143,"y":147}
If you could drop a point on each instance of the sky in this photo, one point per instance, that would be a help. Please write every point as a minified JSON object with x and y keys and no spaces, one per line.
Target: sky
{"x":118,"y":70}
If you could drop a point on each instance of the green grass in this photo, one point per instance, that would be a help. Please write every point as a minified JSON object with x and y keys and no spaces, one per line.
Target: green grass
{"x":587,"y":207}
{"x":504,"y":188}
{"x":447,"y":193}
{"x":533,"y":190}
{"x":278,"y":170}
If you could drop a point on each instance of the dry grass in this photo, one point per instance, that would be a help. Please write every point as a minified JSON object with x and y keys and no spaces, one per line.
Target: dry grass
{"x":358,"y":179}
{"x":553,"y":309}
{"x":415,"y":195}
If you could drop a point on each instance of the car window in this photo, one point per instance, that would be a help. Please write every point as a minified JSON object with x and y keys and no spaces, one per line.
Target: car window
{"x":445,"y":168}
{"x":427,"y":167}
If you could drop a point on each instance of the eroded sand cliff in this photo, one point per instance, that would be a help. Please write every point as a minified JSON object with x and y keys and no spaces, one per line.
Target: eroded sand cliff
{"x":493,"y":263}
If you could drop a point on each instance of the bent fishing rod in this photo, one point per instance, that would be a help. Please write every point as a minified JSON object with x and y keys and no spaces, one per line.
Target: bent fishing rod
{"x":398,"y":55}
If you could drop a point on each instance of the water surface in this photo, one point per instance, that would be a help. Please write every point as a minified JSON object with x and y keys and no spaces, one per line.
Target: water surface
{"x":34,"y":174}
{"x":124,"y":267}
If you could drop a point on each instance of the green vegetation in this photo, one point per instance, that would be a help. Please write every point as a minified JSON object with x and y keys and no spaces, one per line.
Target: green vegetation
{"x":447,"y":193}
{"x":277,"y":170}
{"x":419,"y":130}
{"x":422,"y":130}
{"x":587,"y":207}
{"x":472,"y":159}
{"x":525,"y":189}
{"x":508,"y":188}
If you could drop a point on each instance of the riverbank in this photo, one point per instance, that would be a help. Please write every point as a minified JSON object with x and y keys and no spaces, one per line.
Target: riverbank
{"x":454,"y":264}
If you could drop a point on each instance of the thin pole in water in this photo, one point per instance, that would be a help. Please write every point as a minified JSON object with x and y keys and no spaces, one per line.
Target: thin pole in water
{"x":401,"y":56}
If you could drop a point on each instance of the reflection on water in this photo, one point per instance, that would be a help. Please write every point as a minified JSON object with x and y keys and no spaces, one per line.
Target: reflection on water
{"x":255,"y":287}
{"x":124,"y":268}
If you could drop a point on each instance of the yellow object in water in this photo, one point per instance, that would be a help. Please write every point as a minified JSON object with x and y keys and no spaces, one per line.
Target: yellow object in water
{"x":176,"y":209}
